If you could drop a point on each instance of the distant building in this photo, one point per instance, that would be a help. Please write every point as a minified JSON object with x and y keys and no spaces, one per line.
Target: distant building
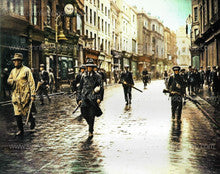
{"x":183,"y":45}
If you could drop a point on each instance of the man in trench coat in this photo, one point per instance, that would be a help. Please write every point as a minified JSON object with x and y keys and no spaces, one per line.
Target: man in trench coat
{"x":23,"y":91}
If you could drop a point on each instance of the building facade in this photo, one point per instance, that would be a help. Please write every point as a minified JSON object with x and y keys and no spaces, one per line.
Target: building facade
{"x":206,"y":14}
{"x":97,"y":33}
{"x":144,"y":41}
{"x":43,"y":32}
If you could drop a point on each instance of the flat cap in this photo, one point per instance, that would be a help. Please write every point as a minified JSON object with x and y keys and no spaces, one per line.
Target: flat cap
{"x":176,"y":68}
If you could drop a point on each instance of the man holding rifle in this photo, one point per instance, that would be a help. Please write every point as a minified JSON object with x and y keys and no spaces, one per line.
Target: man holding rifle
{"x":23,"y":92}
{"x":88,"y":95}
{"x":127,"y":83}
{"x":176,"y":86}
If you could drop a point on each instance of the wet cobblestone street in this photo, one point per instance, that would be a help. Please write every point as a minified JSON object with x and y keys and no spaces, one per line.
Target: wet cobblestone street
{"x":143,"y":139}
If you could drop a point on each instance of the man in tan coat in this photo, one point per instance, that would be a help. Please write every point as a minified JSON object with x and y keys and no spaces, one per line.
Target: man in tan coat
{"x":23,"y":91}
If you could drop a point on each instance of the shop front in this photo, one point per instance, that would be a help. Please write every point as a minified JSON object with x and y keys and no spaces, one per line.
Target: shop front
{"x":116,"y":56}
{"x":9,"y":45}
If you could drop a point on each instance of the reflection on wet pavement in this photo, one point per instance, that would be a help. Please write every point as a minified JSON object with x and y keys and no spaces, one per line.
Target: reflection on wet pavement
{"x":142,"y":139}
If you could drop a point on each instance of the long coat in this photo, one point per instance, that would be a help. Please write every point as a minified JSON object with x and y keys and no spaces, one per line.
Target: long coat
{"x":86,"y":93}
{"x":23,"y":87}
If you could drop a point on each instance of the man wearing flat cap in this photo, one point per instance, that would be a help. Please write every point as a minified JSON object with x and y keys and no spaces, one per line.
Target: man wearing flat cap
{"x":177,"y":91}
{"x":88,"y":96}
{"x":82,"y":70}
{"x":23,"y":91}
{"x":127,"y":81}
{"x":43,"y":84}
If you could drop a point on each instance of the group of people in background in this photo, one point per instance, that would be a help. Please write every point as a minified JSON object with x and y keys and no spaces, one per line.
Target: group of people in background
{"x":195,"y":80}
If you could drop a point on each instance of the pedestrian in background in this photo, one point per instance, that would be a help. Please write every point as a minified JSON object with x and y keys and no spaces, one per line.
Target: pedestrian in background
{"x":35,"y":76}
{"x":145,"y":77}
{"x":5,"y":87}
{"x":208,"y":77}
{"x":127,"y":83}
{"x":197,"y":80}
{"x":202,"y":77}
{"x":23,"y":91}
{"x":82,"y":70}
{"x":190,"y":80}
{"x":43,"y":84}
{"x":51,"y":80}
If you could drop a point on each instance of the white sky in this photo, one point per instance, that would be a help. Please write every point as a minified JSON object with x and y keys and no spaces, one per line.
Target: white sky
{"x":173,"y":13}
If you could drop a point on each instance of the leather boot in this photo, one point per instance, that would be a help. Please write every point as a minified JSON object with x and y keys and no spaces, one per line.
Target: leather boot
{"x":20,"y":126}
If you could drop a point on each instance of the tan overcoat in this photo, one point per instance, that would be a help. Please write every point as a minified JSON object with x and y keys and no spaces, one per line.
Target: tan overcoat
{"x":23,"y":87}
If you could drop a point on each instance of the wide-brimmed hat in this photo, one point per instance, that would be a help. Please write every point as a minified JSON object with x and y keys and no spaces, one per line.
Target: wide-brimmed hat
{"x":42,"y":65}
{"x":176,"y":68}
{"x":90,"y":63}
{"x":18,"y":56}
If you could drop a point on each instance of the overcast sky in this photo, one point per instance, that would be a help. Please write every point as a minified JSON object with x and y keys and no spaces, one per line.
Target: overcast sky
{"x":173,"y":13}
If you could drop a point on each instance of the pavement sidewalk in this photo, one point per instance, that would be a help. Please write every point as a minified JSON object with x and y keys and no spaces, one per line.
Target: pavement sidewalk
{"x":206,"y":103}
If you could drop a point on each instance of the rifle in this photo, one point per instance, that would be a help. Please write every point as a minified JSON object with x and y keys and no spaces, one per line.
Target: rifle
{"x":76,"y":108}
{"x":132,"y":86}
{"x":186,"y":97}
{"x":29,"y":111}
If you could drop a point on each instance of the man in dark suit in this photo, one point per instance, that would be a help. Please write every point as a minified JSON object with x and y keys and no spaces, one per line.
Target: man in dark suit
{"x":43,"y":84}
{"x":127,"y":83}
{"x":176,"y":86}
{"x":88,"y":95}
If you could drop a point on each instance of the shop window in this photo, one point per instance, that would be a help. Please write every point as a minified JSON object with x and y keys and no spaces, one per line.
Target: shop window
{"x":79,"y":24}
{"x":196,"y":14}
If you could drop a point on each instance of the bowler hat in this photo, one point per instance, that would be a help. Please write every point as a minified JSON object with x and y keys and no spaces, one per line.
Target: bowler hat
{"x":190,"y":66}
{"x":176,"y":68}
{"x":18,"y":56}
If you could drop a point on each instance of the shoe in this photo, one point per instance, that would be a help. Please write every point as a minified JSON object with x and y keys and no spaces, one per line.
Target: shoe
{"x":32,"y":126}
